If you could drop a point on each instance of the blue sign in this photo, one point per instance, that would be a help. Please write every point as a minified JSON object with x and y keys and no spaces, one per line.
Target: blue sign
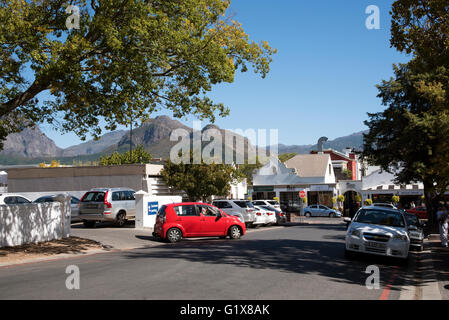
{"x":153,"y":208}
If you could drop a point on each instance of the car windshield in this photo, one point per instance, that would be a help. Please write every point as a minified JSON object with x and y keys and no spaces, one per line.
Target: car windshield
{"x":244,"y":204}
{"x":270,"y":208}
{"x":93,"y":196}
{"x":380,"y":217}
{"x":412,"y":220}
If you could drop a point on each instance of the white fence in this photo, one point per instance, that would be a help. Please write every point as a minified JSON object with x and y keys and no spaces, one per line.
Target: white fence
{"x":32,"y":223}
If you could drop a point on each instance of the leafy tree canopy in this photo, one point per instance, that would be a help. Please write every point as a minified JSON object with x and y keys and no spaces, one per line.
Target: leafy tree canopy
{"x":128,"y":59}
{"x":201,"y":181}
{"x":138,"y":155}
{"x":410,"y":137}
{"x":286,"y":156}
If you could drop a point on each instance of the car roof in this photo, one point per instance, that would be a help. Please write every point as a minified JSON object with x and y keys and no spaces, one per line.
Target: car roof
{"x":110,"y":189}
{"x":185,"y":204}
{"x":12,"y":195}
{"x":374,"y":207}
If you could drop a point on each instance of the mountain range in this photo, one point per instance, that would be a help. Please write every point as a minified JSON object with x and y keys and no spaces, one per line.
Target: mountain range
{"x":33,"y":146}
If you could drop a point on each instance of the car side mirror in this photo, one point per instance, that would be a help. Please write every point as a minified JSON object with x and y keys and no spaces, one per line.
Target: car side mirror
{"x":347,"y":220}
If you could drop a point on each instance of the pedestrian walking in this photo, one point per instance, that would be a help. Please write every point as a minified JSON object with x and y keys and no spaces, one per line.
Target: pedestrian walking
{"x":442,"y":219}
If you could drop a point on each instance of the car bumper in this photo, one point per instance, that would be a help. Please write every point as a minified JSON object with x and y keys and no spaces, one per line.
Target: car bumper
{"x":397,"y":249}
{"x":260,"y":220}
{"x":97,"y":217}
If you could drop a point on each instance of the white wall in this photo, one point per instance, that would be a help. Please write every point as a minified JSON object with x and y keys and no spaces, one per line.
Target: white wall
{"x":32,"y":223}
{"x":146,"y":215}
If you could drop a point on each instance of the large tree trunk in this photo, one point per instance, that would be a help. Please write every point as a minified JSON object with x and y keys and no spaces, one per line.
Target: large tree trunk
{"x":432,"y":199}
{"x":23,"y":98}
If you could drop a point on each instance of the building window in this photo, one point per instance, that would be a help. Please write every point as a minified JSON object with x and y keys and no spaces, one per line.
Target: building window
{"x":330,"y":168}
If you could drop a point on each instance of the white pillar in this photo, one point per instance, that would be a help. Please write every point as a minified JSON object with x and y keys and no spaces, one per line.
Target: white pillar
{"x":66,"y":213}
{"x":140,"y":208}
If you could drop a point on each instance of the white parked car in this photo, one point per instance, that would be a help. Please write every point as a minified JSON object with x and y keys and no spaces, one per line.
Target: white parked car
{"x":268,"y":216}
{"x":379,"y":231}
{"x":11,"y":198}
{"x":272,"y":203}
{"x":243,"y":209}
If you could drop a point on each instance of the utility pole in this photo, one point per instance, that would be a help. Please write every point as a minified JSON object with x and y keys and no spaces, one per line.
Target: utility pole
{"x":131,"y":141}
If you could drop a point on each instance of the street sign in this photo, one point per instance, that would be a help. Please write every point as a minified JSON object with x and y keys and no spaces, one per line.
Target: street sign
{"x":302,"y":194}
{"x":153,"y":208}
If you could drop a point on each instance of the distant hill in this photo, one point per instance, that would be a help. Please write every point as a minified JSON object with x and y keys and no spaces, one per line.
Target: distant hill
{"x":154,"y":136}
{"x":30,"y":143}
{"x":354,"y":141}
{"x":94,"y":146}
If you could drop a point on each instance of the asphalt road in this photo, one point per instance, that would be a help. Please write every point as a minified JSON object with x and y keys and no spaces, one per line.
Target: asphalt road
{"x":294,"y":262}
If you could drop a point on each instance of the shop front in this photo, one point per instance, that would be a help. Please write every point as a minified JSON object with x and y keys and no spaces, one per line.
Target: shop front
{"x":263,"y":193}
{"x":321,"y":194}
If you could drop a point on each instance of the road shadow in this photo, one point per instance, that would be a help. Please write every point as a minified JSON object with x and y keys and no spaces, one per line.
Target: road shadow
{"x":104,"y":225}
{"x":437,"y":258}
{"x":325,"y":258}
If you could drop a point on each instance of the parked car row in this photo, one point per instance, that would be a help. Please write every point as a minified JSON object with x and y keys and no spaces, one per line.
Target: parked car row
{"x":252,"y":213}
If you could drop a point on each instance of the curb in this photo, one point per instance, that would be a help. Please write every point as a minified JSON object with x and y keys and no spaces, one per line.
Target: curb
{"x":54,"y":257}
{"x":428,"y":283}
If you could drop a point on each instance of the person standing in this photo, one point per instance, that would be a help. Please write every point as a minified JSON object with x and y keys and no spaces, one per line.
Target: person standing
{"x":412,"y":205}
{"x":442,"y":219}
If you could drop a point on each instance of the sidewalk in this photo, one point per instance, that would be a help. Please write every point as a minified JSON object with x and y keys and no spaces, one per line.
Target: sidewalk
{"x":430,"y":273}
{"x":438,"y":257}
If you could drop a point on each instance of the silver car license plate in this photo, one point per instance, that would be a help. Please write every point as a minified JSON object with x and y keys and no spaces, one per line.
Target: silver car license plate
{"x":376,"y":245}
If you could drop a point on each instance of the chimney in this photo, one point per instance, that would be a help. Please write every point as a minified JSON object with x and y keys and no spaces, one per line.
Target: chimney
{"x":320,"y":144}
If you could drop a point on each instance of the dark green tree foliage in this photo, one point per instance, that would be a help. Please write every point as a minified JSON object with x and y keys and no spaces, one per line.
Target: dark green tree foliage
{"x":128,"y":58}
{"x":201,"y":181}
{"x":411,"y":137}
{"x":138,"y":155}
{"x":286,"y":156}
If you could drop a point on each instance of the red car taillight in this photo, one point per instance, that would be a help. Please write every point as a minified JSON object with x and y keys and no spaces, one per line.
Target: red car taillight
{"x":258,"y":213}
{"x":281,"y":214}
{"x":106,"y":202}
{"x":81,"y":200}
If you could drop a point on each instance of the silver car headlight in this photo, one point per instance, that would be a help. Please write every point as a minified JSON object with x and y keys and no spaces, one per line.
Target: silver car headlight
{"x":355,"y":233}
{"x":400,"y":237}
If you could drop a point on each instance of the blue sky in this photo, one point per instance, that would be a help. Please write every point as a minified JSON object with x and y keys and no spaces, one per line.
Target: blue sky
{"x":322,"y":80}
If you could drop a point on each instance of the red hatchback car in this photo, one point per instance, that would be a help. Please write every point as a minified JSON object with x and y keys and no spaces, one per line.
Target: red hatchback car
{"x":420,"y":212}
{"x":191,"y":219}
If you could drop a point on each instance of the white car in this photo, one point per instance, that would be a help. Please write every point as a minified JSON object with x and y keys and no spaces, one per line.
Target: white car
{"x":11,"y":198}
{"x":379,"y":231}
{"x":272,"y":203}
{"x":269,"y":216}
